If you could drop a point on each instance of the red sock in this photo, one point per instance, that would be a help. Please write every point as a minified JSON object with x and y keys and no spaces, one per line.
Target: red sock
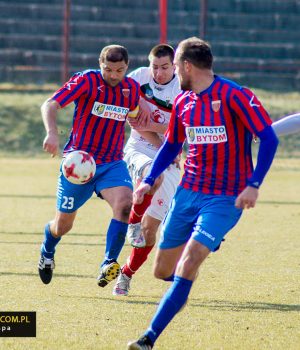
{"x":137,"y":257}
{"x":138,"y":210}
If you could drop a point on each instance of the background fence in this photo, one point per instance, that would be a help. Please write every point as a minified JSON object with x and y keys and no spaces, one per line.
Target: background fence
{"x":255,"y":42}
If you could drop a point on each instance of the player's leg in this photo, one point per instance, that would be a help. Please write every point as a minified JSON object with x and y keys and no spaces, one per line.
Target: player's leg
{"x":217,"y":215}
{"x":115,"y":188}
{"x":138,"y":164}
{"x":70,"y":197}
{"x":152,"y":218}
{"x":138,"y":256}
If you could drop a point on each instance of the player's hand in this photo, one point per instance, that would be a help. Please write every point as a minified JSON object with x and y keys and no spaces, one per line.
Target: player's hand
{"x":247,"y":199}
{"x":51,"y":144}
{"x":138,"y":194}
{"x":177,"y":160}
{"x":144,"y":115}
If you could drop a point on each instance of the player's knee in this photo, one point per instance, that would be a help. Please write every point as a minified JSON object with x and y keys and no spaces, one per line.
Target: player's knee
{"x":125,"y":211}
{"x":61,"y":228}
{"x":149,"y":234}
{"x":122,"y":208}
{"x":161,"y":272}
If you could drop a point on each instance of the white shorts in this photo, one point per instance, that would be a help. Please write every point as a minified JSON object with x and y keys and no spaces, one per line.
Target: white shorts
{"x":136,"y":163}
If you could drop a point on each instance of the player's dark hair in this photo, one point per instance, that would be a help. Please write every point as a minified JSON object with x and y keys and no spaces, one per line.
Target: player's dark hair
{"x":162,"y":50}
{"x":196,"y":51}
{"x":114,"y":53}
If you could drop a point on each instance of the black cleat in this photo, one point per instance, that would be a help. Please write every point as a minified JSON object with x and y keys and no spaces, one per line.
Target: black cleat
{"x":108,"y":273}
{"x":46,"y":267}
{"x":144,"y":343}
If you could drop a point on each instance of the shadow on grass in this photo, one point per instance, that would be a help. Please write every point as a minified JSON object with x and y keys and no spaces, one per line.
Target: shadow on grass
{"x":34,"y":196}
{"x":74,"y":234}
{"x":63,"y":243}
{"x":37,"y":196}
{"x":30,"y":274}
{"x":224,"y":305}
{"x":218,"y":305}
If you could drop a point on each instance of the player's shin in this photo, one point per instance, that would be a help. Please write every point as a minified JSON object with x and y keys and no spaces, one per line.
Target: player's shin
{"x":136,"y":259}
{"x":170,"y":304}
{"x":138,"y":210}
{"x":49,"y":243}
{"x":115,"y":240}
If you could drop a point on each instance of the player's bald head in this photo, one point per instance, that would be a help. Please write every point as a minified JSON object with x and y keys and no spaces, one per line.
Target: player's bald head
{"x":196,"y":51}
{"x":114,"y":53}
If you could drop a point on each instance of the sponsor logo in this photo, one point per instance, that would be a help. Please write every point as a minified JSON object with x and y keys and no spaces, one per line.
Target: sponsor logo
{"x":157,"y":116}
{"x":252,"y":104}
{"x":69,"y":85}
{"x":149,"y":94}
{"x":206,"y":234}
{"x":110,"y":111}
{"x":100,"y":88}
{"x":206,"y":134}
{"x":158,"y":88}
{"x":168,"y":100}
{"x":126,"y":92}
{"x":191,"y":134}
{"x":188,"y":106}
{"x":216,"y":105}
{"x":160,"y":202}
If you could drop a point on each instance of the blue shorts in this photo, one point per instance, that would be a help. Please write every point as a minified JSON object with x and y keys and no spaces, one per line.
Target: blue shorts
{"x":70,"y":197}
{"x":205,"y":218}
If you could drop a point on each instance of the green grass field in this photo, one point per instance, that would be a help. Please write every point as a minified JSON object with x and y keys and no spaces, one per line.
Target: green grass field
{"x":246,"y":297}
{"x":22,"y":130}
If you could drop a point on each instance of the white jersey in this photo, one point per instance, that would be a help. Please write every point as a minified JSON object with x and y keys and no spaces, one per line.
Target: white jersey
{"x":160,"y":99}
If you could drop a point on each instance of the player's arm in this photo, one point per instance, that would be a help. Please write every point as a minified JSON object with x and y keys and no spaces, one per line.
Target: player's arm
{"x":69,"y":92}
{"x":266,"y":152}
{"x":163,"y":158}
{"x":287,"y":125}
{"x":153,"y":127}
{"x":49,"y":115}
{"x":152,"y":138}
{"x":172,"y":145}
{"x":143,"y":116}
{"x":258,"y":122}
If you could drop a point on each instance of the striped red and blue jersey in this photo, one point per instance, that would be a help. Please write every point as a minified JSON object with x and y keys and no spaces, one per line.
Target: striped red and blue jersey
{"x":100,"y":113}
{"x":218,"y":125}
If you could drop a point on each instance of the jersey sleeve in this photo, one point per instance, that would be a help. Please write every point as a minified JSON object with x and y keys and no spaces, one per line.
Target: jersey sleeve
{"x":176,"y":130}
{"x":135,"y":91}
{"x":71,"y":90}
{"x":136,"y":75}
{"x":249,"y":110}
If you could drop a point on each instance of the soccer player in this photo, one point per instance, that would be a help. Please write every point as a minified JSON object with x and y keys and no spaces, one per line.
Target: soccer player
{"x":287,"y":125}
{"x":159,"y":87}
{"x":217,"y":118}
{"x":103,"y":100}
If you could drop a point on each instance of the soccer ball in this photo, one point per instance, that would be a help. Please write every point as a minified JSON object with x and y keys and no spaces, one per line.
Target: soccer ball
{"x":78,"y":167}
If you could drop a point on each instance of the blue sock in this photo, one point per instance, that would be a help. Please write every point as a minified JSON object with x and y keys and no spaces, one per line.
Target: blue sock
{"x":170,"y":304}
{"x":49,"y":244}
{"x":115,"y":240}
